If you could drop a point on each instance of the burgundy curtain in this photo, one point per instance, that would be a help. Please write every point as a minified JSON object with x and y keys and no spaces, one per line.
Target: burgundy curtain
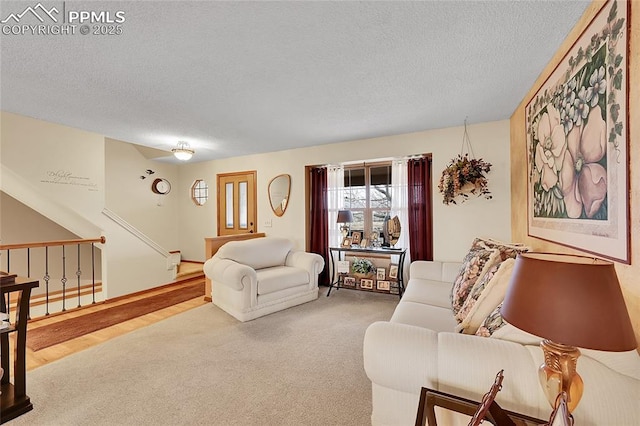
{"x":420,"y":209}
{"x":319,"y":220}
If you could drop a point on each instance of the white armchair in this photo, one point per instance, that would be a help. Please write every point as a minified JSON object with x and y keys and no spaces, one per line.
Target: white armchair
{"x":256,"y":277}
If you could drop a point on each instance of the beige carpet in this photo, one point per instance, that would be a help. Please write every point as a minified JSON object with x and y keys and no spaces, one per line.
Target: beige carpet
{"x":301,"y":366}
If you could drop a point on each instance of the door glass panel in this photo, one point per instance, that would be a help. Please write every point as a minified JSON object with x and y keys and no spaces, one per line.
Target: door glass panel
{"x":242,"y":188}
{"x":229,"y":201}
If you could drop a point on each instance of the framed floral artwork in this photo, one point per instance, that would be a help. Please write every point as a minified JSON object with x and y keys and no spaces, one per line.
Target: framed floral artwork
{"x":578,"y":143}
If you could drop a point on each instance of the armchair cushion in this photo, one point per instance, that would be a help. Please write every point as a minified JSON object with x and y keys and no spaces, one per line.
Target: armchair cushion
{"x":260,"y":253}
{"x":280,"y":277}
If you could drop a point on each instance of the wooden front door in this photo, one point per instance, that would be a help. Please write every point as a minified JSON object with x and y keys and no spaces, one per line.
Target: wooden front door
{"x":237,"y":203}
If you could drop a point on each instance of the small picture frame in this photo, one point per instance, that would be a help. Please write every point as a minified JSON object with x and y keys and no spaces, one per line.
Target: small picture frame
{"x":346,"y":242}
{"x":381,"y":274}
{"x":393,"y":271}
{"x":349,"y":282}
{"x":356,"y":236}
{"x":366,"y":283}
{"x":364,"y":243}
{"x":342,"y":267}
{"x":383,"y":285}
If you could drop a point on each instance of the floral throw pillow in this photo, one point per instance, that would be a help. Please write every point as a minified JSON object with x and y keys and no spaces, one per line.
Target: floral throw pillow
{"x":496,"y":327}
{"x":486,"y":294}
{"x":475,"y":264}
{"x":507,"y":250}
{"x":491,"y":323}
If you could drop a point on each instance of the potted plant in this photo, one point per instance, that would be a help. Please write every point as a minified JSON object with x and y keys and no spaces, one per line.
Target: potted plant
{"x":464,"y":176}
{"x":362,"y":267}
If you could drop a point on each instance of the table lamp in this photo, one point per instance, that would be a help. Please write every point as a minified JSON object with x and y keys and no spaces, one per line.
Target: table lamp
{"x":570,"y":301}
{"x":344,"y":217}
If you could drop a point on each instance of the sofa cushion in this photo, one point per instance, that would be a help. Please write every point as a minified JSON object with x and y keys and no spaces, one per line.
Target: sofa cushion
{"x":257,"y":253}
{"x":278,"y":278}
{"x":485,"y":296}
{"x":476,"y":263}
{"x":427,"y":316}
{"x":428,"y":292}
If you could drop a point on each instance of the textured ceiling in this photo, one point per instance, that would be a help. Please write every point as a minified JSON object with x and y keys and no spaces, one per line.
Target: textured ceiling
{"x":235,"y":78}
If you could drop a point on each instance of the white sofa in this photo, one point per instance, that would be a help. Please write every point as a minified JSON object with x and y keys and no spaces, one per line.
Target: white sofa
{"x":418,"y":347}
{"x":256,"y":277}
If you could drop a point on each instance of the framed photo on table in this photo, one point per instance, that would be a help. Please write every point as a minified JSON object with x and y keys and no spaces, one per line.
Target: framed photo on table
{"x":346,"y":242}
{"x":383,"y":285}
{"x":393,"y":271}
{"x":381,"y":274}
{"x":342,"y":267}
{"x":349,"y":282}
{"x":366,"y":283}
{"x":356,"y":236}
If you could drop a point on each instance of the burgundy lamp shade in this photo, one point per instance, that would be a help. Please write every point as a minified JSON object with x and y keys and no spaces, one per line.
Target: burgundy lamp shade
{"x":344,"y":216}
{"x":572,"y":300}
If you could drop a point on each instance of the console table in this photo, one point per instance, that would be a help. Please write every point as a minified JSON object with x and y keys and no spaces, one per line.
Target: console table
{"x":341,"y":253}
{"x":14,"y":400}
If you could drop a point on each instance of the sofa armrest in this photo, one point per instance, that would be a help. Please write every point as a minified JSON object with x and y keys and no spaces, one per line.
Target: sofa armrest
{"x":313,"y":263}
{"x":229,"y":273}
{"x":401,"y":357}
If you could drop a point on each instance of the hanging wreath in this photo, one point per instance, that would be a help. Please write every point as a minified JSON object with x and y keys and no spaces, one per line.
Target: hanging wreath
{"x":464,"y":176}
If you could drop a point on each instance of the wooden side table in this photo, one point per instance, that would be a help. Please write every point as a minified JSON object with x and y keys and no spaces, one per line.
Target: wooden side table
{"x":429,"y":399}
{"x":14,"y":400}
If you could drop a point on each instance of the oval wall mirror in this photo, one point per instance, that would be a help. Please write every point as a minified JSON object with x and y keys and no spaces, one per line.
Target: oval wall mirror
{"x":279,"y":189}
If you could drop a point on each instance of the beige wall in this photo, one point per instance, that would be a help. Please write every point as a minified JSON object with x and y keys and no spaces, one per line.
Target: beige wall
{"x":629,"y":275}
{"x":20,"y":224}
{"x":455,"y":226}
{"x":59,"y":171}
{"x":131,"y":197}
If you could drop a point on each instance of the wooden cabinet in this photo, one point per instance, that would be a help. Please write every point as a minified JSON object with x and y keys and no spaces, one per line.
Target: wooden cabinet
{"x":14,"y":400}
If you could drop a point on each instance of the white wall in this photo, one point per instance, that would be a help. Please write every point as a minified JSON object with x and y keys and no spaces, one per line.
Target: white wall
{"x":131,"y":197}
{"x":46,"y":156}
{"x":54,"y":168}
{"x":455,"y":226}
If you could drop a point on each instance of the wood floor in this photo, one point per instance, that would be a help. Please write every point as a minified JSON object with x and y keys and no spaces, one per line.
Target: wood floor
{"x":47,"y":355}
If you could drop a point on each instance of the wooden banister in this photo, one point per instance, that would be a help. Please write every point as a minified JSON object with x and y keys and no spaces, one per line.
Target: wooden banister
{"x":100,"y":240}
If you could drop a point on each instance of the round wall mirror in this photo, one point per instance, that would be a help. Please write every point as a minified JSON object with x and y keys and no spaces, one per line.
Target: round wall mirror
{"x":279,"y":189}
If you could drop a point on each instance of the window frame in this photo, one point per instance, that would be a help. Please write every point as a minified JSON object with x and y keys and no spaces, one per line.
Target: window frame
{"x":199,"y":192}
{"x":368,"y":210}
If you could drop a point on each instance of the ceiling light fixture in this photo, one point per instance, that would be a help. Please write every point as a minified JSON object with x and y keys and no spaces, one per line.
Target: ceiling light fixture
{"x":183,"y":151}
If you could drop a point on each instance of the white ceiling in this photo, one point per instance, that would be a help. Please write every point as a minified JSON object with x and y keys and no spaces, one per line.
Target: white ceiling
{"x":234,"y":78}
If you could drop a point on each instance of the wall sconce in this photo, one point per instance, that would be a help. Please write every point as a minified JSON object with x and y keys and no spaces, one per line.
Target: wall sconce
{"x":183,"y":151}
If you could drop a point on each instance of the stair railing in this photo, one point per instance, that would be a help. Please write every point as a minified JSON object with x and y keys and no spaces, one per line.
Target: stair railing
{"x":10,"y":251}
